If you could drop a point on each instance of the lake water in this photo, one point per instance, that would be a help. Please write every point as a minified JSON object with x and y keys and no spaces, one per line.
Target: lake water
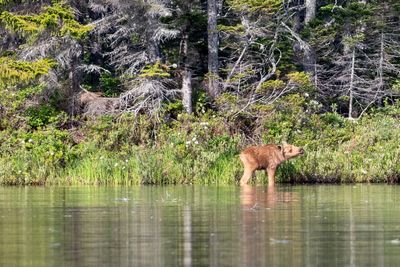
{"x":350,"y":225}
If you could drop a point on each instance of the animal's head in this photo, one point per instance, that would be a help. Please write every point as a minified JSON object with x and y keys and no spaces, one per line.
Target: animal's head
{"x":290,"y":151}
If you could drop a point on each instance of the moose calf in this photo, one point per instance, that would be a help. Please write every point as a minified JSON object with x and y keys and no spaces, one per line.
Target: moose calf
{"x":267,"y":157}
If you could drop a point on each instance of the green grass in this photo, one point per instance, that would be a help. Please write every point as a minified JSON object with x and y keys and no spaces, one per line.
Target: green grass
{"x":200,"y":151}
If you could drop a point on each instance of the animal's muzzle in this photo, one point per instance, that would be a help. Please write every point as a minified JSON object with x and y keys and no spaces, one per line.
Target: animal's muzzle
{"x":302,"y":151}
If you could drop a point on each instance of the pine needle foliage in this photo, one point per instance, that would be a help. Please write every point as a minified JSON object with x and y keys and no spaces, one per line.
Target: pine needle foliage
{"x":14,"y":72}
{"x":58,"y":19}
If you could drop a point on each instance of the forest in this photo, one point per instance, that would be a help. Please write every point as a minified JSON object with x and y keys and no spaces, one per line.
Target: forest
{"x":169,"y":91}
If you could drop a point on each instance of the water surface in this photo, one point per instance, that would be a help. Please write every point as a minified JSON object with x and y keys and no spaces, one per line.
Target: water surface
{"x":200,"y":226}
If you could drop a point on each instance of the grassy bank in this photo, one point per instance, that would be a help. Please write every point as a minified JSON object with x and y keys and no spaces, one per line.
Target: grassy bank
{"x":202,"y":150}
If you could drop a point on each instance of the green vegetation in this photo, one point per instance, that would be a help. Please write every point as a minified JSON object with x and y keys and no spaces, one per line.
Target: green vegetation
{"x":155,"y":71}
{"x":169,"y":92}
{"x":256,"y":5}
{"x":14,"y":72}
{"x":203,"y":149}
{"x":58,"y":19}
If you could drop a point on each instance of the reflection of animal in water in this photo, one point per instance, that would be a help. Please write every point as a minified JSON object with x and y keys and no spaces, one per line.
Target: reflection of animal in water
{"x":263,"y":209}
{"x":252,"y":198}
{"x":268,"y":158}
{"x":250,"y":201}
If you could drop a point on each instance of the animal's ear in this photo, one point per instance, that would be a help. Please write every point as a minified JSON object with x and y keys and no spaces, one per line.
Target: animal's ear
{"x":279,"y":147}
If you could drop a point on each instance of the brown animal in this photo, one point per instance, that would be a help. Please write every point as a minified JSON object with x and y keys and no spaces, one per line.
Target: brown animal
{"x":268,"y":158}
{"x":95,"y":104}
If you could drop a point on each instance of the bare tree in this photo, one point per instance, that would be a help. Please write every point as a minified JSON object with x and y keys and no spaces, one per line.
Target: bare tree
{"x":361,"y":66}
{"x":147,"y":95}
{"x":186,"y":76}
{"x":213,"y":44}
{"x":189,"y":58}
{"x":311,"y":6}
{"x":44,"y":41}
{"x":253,"y":63}
{"x":134,"y":31}
{"x":309,"y":54}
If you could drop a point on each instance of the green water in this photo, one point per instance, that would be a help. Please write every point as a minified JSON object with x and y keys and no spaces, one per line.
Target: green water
{"x":200,"y":226}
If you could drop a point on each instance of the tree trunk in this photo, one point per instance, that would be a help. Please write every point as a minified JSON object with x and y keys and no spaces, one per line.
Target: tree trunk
{"x":381,"y":61}
{"x":212,"y":30}
{"x":351,"y":86}
{"x":359,"y":30}
{"x":153,"y":47}
{"x":187,"y":90}
{"x":311,"y":6}
{"x":186,"y":78}
{"x":153,"y":50}
{"x":382,"y":55}
{"x":309,"y":55}
{"x":297,"y":19}
{"x":75,"y":78}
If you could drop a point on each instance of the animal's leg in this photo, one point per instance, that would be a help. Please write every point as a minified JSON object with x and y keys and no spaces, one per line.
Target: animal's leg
{"x":248,"y":172}
{"x":271,"y":176}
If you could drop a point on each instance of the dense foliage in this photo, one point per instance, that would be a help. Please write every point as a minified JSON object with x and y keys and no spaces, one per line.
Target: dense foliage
{"x":168,"y":91}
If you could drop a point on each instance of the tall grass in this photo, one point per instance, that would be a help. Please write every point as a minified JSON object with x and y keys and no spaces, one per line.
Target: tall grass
{"x":199,"y":151}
